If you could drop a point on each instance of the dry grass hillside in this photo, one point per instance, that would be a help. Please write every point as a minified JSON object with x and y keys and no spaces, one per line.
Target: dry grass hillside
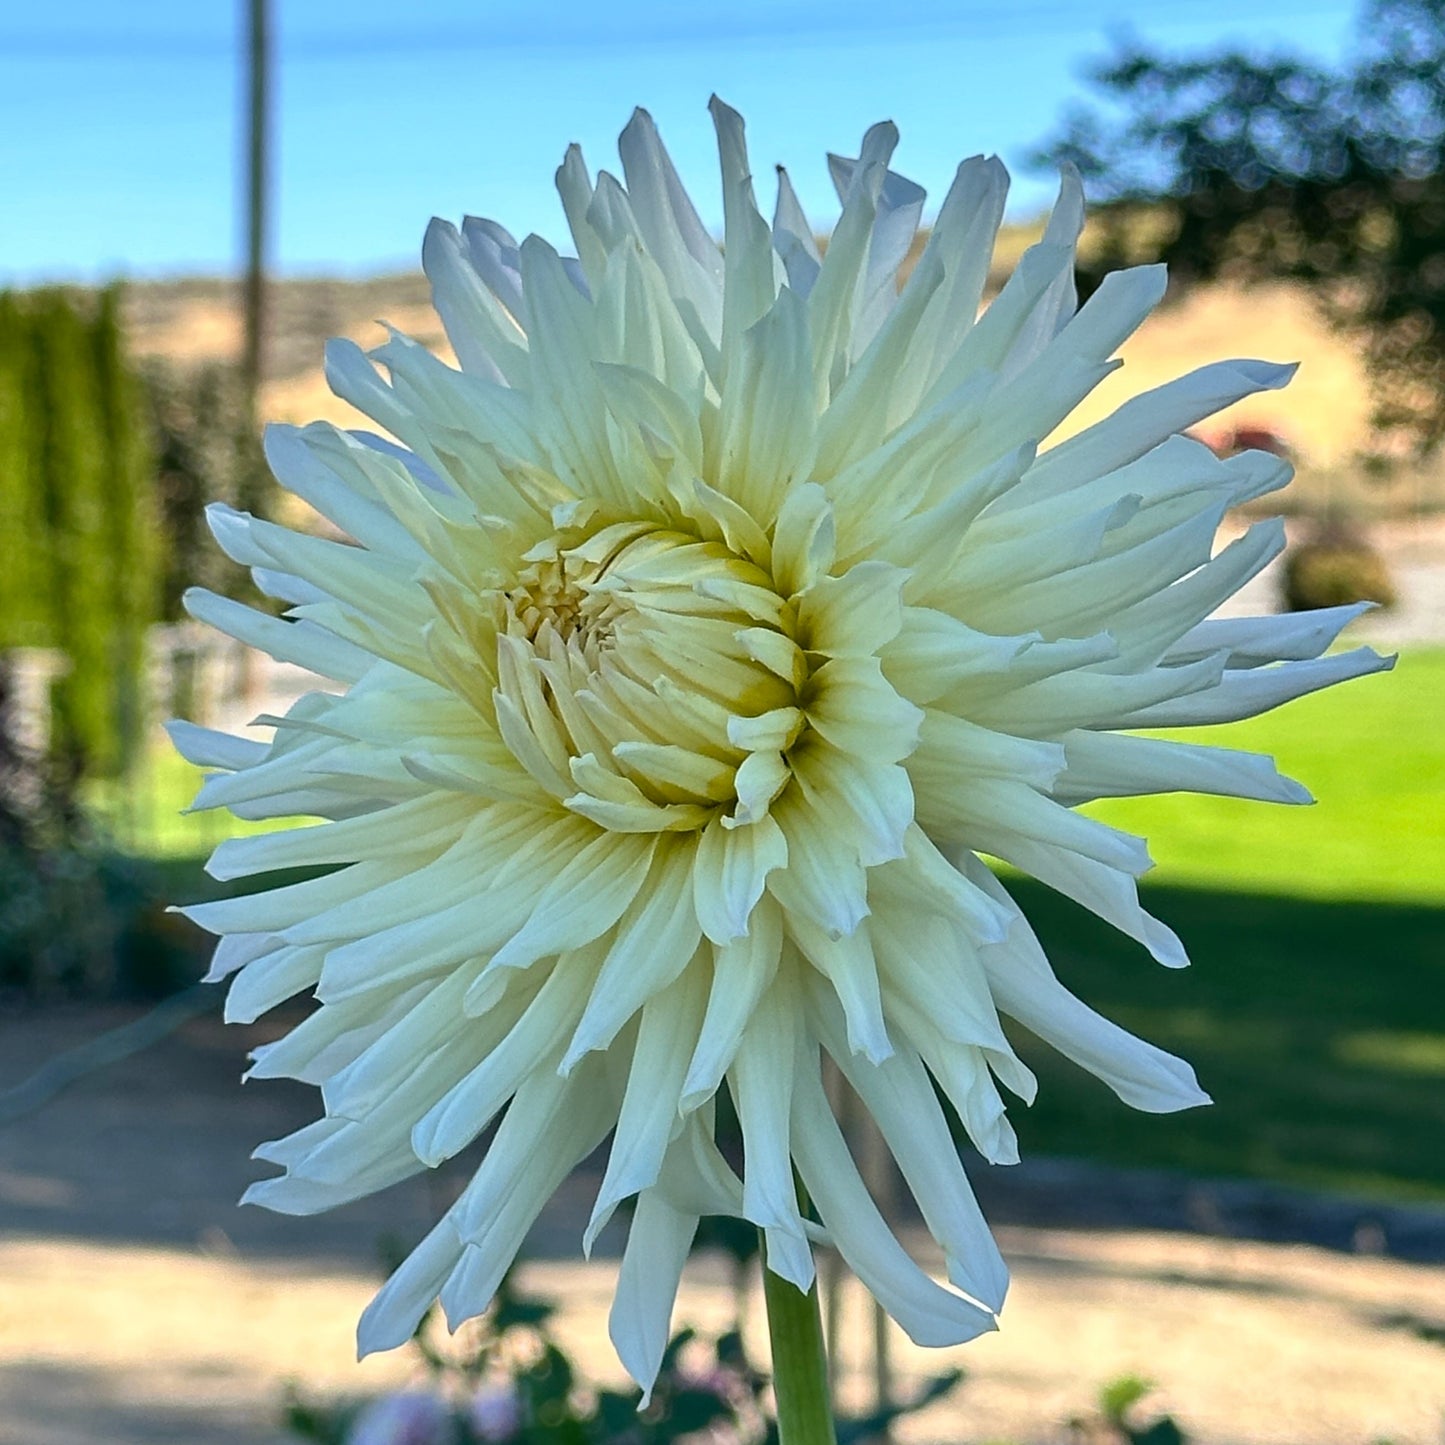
{"x":1323,"y":415}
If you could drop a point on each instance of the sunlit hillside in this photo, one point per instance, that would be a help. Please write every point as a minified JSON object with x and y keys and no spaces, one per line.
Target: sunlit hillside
{"x":1323,"y":415}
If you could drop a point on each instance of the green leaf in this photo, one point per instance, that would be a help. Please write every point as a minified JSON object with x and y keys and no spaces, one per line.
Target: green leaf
{"x":1117,"y":1397}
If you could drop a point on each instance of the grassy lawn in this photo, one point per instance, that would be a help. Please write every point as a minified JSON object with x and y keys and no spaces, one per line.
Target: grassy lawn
{"x":1318,"y":1026}
{"x":1373,"y":754}
{"x":1315,"y":1012}
{"x":149,"y":818}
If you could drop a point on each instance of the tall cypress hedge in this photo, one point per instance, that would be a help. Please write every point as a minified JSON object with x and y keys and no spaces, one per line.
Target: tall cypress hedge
{"x":24,"y":600}
{"x":77,"y":511}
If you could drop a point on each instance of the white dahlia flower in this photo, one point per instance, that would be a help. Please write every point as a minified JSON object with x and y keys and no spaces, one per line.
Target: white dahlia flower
{"x":697,"y":637}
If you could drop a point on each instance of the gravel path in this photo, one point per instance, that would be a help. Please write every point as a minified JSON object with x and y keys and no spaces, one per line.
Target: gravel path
{"x":1279,"y":1346}
{"x":139,"y":1305}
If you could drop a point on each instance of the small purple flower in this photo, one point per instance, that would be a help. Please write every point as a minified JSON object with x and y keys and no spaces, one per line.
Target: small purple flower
{"x":496,"y":1415}
{"x":409,"y":1418}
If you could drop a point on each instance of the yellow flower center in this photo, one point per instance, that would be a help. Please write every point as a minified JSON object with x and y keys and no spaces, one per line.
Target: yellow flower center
{"x":650,"y":679}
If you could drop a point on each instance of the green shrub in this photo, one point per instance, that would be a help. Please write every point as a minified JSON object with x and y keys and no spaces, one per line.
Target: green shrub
{"x":1334,"y":567}
{"x":207,"y":449}
{"x":73,"y":914}
{"x":77,"y":511}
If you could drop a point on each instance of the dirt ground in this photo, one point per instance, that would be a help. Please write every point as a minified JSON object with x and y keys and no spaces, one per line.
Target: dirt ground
{"x":138,"y":1305}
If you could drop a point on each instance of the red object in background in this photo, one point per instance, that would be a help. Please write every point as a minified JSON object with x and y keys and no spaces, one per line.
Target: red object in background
{"x":1232,"y":440}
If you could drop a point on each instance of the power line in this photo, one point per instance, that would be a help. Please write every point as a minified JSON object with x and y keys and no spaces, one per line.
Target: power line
{"x":679,"y":29}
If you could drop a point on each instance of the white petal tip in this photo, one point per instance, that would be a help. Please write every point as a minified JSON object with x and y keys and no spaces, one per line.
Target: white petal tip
{"x":990,"y":1291}
{"x":876,"y":1051}
{"x":1169,"y":1088}
{"x":483,"y":995}
{"x":1164,"y":945}
{"x":373,"y":1336}
{"x":790,"y":1257}
{"x":425,"y":1145}
{"x":1001,"y":1146}
{"x":601,"y":1217}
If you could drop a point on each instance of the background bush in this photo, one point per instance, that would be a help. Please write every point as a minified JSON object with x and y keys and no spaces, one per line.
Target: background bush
{"x":77,"y":510}
{"x":1334,"y":567}
{"x":207,"y":448}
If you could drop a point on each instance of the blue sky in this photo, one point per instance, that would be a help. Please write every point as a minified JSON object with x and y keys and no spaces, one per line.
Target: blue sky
{"x":120,"y":125}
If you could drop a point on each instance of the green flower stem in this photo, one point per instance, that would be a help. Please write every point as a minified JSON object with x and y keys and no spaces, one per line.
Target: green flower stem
{"x":800,"y":1366}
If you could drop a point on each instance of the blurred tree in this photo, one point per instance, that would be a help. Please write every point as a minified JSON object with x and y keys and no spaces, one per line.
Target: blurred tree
{"x":76,"y":494}
{"x":1236,"y":165}
{"x":70,"y":458}
{"x":207,"y":449}
{"x":131,"y":519}
{"x":24,"y":600}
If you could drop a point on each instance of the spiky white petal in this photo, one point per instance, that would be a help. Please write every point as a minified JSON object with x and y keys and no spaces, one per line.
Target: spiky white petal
{"x":697,"y":635}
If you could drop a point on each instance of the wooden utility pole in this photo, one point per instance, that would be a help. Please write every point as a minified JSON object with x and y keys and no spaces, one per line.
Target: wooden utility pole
{"x":251,"y":482}
{"x":258,"y":149}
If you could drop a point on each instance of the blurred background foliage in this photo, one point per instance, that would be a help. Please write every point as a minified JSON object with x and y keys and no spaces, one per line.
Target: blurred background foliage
{"x":106,"y":466}
{"x":122,"y":413}
{"x":207,"y":448}
{"x":78,"y":485}
{"x":1232,"y":164}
